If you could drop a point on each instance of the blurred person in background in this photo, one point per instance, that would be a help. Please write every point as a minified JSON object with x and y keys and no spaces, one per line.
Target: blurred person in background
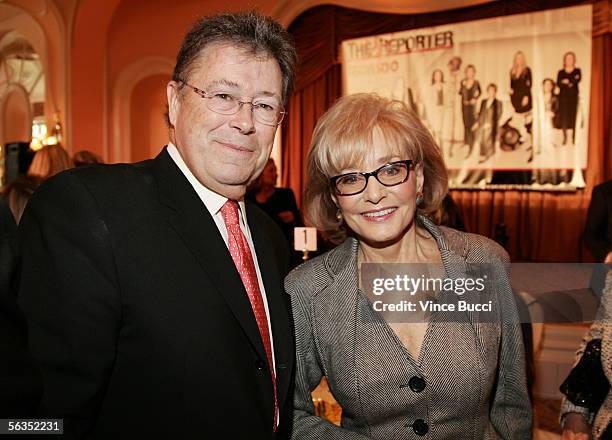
{"x":470,"y":93}
{"x":20,"y":380}
{"x":488,"y":123}
{"x":50,"y":160}
{"x":85,"y":157}
{"x":580,"y":422}
{"x":598,"y":228}
{"x":520,"y":96}
{"x":567,"y":82}
{"x":449,"y":214}
{"x":279,"y":204}
{"x":19,"y":192}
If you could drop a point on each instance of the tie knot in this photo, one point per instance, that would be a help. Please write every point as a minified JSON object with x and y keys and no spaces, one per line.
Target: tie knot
{"x":229,"y":211}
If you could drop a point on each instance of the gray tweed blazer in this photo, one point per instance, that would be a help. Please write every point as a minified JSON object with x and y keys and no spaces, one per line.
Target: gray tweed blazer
{"x":474,"y":372}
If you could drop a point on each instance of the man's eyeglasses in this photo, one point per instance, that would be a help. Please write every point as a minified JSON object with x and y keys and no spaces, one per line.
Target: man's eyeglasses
{"x":390,"y":174}
{"x":266,"y":110}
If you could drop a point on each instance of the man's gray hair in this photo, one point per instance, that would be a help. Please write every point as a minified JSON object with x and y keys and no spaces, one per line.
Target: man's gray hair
{"x":250,"y":30}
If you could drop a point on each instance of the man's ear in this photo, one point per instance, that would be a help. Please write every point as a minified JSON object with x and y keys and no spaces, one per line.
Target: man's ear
{"x":174,"y":101}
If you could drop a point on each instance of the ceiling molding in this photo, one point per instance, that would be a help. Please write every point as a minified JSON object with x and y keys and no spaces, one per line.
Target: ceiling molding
{"x":286,"y":11}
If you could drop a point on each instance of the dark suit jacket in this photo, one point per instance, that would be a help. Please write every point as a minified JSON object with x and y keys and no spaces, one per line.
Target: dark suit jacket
{"x":20,"y":382}
{"x":138,"y":315}
{"x":598,"y":228}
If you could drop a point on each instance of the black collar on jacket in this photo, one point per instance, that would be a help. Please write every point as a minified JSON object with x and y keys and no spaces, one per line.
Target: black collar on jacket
{"x":193,"y":223}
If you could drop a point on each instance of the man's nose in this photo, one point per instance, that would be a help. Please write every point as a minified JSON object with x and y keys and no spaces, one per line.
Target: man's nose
{"x":243,"y":119}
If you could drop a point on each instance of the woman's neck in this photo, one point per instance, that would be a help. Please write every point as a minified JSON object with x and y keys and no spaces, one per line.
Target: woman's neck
{"x":416,"y":246}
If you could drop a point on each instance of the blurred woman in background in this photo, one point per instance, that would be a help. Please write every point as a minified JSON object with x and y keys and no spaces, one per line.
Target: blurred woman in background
{"x":50,"y":160}
{"x":19,"y":192}
{"x":567,"y":82}
{"x":580,"y":422}
{"x":279,"y":204}
{"x":470,"y":93}
{"x":85,"y":157}
{"x":520,"y":95}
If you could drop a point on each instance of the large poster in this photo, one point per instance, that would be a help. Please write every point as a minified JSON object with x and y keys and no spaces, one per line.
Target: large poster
{"x":505,"y":98}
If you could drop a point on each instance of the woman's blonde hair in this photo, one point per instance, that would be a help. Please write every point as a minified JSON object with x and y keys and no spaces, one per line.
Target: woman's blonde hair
{"x":342,"y":139}
{"x":50,"y":160}
{"x":518,"y":68}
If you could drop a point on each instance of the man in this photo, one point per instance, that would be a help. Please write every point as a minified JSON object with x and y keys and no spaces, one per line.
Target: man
{"x":20,"y":382}
{"x":598,"y":229}
{"x":153,"y":293}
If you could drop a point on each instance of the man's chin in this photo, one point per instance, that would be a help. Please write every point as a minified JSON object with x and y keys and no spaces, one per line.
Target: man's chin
{"x":231,"y":189}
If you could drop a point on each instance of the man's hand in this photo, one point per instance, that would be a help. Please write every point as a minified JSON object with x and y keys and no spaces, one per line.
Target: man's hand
{"x":575,"y":427}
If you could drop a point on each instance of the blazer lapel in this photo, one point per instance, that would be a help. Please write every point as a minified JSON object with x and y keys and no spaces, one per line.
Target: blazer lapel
{"x":192,"y":222}
{"x":454,"y":249}
{"x":278,"y":305}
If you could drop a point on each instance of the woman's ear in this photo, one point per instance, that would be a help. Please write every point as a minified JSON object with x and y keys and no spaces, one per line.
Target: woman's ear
{"x":420,"y":177}
{"x":335,"y":200}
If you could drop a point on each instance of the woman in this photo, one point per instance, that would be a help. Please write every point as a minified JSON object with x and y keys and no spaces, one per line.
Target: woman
{"x":278,"y":203}
{"x":578,"y":422}
{"x":452,"y":130}
{"x":48,"y":161}
{"x":549,"y":107}
{"x":20,"y":378}
{"x":488,"y":123}
{"x":393,"y":380}
{"x":470,"y":92}
{"x":567,"y":81}
{"x":19,"y":192}
{"x":520,"y":84}
{"x":85,"y":157}
{"x":520,"y":94}
{"x":435,"y":105}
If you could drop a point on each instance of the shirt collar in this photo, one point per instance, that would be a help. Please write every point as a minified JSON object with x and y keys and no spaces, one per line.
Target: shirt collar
{"x":212,"y":200}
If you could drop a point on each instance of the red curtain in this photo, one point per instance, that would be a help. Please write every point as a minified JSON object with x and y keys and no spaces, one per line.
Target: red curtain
{"x":542,"y":226}
{"x":306,"y":106}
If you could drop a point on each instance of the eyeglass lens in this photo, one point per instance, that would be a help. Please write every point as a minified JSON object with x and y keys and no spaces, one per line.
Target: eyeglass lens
{"x":266,"y":110}
{"x":388,"y":175}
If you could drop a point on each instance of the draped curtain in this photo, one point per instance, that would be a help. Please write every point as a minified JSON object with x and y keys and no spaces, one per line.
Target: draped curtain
{"x":542,"y":226}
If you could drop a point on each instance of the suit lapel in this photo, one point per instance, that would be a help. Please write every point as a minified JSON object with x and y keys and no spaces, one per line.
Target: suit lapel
{"x":282,"y":331}
{"x":192,"y":222}
{"x":454,"y":249}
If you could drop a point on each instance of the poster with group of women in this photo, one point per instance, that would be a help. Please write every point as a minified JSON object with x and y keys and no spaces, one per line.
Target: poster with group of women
{"x":506,"y":99}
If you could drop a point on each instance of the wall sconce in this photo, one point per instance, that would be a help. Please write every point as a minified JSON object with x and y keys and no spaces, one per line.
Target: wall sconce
{"x":40,"y":135}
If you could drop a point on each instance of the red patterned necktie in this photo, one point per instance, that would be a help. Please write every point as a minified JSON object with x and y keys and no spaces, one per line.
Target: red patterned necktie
{"x":241,"y":254}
